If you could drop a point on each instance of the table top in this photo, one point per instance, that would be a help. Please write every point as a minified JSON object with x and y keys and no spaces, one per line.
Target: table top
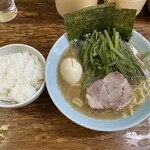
{"x":41,"y":125}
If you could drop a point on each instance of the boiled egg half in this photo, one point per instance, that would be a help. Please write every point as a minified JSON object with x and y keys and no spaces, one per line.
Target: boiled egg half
{"x":70,"y":70}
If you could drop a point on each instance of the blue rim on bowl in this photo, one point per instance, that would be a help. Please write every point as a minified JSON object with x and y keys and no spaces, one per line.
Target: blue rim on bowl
{"x":95,"y":124}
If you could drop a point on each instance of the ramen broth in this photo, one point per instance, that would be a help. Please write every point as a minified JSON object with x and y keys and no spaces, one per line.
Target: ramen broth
{"x":70,"y":92}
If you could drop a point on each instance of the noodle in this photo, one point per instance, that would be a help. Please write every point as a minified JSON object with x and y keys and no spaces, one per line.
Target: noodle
{"x":140,"y":92}
{"x":131,"y":110}
{"x":77,"y":101}
{"x":138,"y":96}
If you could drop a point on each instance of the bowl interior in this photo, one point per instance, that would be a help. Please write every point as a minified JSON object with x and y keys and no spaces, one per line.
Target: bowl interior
{"x":96,"y":124}
{"x":16,"y":48}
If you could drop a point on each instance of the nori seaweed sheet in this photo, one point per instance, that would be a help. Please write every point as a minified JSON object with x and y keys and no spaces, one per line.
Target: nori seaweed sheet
{"x":100,"y":17}
{"x":124,"y":21}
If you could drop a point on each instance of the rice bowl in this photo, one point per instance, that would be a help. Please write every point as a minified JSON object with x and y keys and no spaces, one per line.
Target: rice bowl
{"x":23,"y":52}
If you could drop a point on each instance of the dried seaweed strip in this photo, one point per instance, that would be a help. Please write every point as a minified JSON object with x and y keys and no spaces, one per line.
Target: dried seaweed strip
{"x":89,"y":18}
{"x":99,"y":20}
{"x":99,"y":17}
{"x":124,"y":21}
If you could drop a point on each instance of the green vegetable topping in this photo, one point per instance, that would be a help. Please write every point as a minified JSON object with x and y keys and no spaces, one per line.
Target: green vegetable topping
{"x":105,"y":52}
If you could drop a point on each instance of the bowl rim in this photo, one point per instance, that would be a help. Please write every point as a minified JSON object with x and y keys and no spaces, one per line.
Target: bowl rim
{"x":39,"y":91}
{"x":76,"y":120}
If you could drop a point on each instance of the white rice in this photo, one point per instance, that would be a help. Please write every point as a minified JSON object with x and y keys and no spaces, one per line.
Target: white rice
{"x":21,"y":75}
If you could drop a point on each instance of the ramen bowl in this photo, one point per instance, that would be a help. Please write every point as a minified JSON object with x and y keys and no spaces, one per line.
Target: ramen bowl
{"x":88,"y":122}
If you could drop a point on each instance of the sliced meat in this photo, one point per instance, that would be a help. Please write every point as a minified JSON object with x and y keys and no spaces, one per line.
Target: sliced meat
{"x":113,"y":91}
{"x":97,"y":95}
{"x":127,"y":95}
{"x":104,"y":99}
{"x":114,"y":77}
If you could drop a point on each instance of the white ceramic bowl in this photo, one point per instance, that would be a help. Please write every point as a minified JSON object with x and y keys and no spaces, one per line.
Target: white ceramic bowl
{"x":96,"y":124}
{"x":15,"y":48}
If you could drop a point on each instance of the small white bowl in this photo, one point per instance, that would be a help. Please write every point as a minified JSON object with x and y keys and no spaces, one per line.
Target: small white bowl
{"x":15,"y":48}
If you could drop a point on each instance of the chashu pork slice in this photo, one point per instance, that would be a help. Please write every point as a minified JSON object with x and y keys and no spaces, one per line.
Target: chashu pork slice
{"x":97,"y":95}
{"x":119,"y":90}
{"x":113,"y":91}
{"x":127,"y":95}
